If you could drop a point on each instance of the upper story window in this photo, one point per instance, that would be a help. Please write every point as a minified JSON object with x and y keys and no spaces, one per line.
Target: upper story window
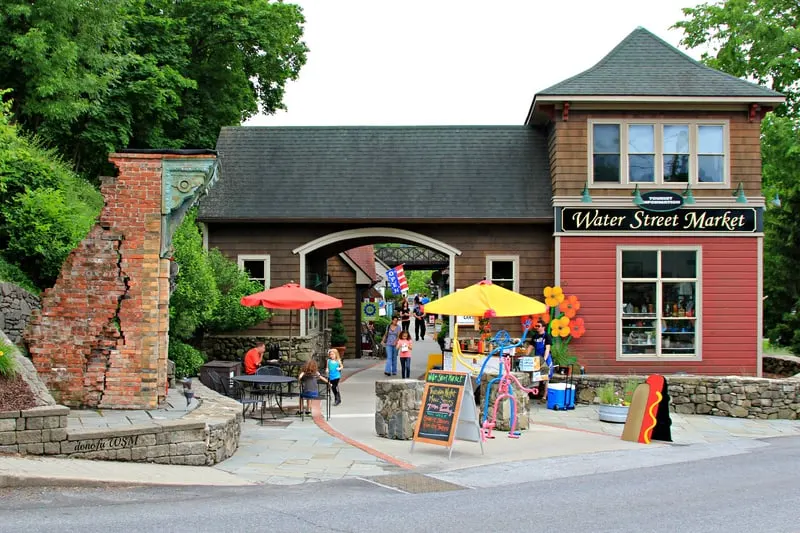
{"x":658,"y":152}
{"x":257,"y":268}
{"x":503,"y":270}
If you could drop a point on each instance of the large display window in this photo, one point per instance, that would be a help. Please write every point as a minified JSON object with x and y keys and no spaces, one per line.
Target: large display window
{"x":659,"y":303}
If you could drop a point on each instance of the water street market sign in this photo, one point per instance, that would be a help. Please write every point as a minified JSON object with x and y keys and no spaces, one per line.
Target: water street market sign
{"x":583,"y":219}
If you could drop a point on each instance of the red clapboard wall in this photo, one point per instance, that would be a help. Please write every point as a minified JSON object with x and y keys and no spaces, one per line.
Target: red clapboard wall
{"x":729,"y":292}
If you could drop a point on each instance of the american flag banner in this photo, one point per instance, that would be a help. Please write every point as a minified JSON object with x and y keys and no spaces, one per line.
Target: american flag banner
{"x":397,"y":279}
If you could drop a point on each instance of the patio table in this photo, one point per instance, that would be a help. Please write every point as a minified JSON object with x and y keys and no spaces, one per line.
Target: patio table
{"x":269,"y":382}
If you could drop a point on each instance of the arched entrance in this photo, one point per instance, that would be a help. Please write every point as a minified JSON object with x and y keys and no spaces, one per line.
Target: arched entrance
{"x":368,"y":235}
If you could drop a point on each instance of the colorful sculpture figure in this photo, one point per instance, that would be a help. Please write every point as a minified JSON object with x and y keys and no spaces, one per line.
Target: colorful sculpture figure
{"x":504,"y":379}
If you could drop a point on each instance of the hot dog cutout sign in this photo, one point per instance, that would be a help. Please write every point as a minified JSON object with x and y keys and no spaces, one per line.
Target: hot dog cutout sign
{"x":648,"y":416}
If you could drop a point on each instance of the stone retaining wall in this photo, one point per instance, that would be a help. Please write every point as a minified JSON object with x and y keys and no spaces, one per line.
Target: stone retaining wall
{"x":782,"y":365}
{"x":397,"y":404}
{"x":16,"y":307}
{"x":233,"y":347}
{"x":205,"y":436}
{"x":503,"y":422}
{"x":732,"y":396}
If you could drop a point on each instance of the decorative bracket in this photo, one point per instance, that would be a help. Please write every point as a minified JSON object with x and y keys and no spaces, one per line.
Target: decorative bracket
{"x":183,"y":183}
{"x":565,"y":112}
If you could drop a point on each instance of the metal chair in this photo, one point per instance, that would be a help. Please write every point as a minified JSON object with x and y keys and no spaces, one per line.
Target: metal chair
{"x":246,"y":398}
{"x":324,"y":399}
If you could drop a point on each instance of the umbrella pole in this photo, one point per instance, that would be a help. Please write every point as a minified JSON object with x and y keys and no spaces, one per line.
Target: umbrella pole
{"x":290,"y":335}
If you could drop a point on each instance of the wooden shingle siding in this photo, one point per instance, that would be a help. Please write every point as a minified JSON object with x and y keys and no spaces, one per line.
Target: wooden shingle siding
{"x":533,"y":243}
{"x":343,"y":279}
{"x":569,"y":156}
{"x":729,"y":303}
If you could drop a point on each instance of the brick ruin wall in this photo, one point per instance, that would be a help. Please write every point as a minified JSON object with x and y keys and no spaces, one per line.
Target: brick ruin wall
{"x":100,"y":339}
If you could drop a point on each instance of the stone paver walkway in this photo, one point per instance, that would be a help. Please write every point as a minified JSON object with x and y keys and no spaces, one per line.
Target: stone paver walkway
{"x":106,"y":418}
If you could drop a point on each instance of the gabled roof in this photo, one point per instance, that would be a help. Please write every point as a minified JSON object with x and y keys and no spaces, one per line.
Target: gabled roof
{"x":364,"y":257}
{"x":467,"y":174}
{"x":645,"y":65}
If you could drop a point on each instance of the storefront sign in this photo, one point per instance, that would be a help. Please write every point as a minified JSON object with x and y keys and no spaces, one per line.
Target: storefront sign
{"x":735,"y":220}
{"x":661,"y":201}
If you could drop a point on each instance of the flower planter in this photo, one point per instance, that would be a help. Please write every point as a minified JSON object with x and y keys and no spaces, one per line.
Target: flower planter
{"x":613,"y":413}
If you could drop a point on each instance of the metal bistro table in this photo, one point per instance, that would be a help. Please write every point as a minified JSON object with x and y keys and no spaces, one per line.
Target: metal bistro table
{"x":270,"y":382}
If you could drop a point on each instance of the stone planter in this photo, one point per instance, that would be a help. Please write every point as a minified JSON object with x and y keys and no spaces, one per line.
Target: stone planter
{"x":613,"y":413}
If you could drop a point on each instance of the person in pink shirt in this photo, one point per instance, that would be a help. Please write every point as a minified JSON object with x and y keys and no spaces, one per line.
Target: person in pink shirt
{"x":404,"y":346}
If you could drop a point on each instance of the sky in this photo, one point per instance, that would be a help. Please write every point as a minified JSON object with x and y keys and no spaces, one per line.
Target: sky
{"x":452,"y":62}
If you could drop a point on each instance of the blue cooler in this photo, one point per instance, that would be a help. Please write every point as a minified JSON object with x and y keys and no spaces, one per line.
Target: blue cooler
{"x":560,"y":396}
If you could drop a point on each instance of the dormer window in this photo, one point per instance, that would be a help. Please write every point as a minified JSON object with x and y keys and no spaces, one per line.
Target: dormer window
{"x":641,"y":152}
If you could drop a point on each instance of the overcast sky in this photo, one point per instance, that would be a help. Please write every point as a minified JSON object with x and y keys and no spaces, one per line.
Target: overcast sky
{"x":448,"y":62}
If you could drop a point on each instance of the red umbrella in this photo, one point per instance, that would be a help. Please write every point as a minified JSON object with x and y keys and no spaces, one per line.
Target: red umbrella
{"x":291,"y":296}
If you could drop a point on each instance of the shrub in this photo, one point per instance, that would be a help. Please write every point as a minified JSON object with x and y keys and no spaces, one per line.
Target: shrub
{"x":8,"y":366}
{"x":232,"y":283}
{"x":608,"y":394}
{"x":628,"y":389}
{"x":11,"y":273}
{"x":338,"y":335}
{"x":187,"y":359}
{"x":381,"y":323}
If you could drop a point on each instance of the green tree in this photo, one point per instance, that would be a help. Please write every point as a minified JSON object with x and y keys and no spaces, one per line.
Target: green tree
{"x":93,"y":77}
{"x":418,"y":281}
{"x":754,"y":39}
{"x":232,"y":283}
{"x":760,"y":40}
{"x":45,"y":209}
{"x":196,"y":294}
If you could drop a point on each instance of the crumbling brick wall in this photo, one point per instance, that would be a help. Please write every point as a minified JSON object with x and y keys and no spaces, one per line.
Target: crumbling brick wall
{"x":100,"y":339}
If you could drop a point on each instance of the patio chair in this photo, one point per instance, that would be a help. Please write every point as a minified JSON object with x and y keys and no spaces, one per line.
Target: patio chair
{"x":244,"y":395}
{"x":218,"y":384}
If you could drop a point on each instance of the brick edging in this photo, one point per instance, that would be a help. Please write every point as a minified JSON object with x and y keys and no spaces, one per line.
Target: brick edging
{"x":321,"y":423}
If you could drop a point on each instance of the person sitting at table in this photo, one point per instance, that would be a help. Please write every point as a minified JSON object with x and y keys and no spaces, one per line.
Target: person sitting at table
{"x":309,"y":388}
{"x":253,"y":357}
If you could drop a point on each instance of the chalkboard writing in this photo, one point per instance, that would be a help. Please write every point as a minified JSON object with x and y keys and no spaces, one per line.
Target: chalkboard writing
{"x":449,"y":378}
{"x":441,"y":403}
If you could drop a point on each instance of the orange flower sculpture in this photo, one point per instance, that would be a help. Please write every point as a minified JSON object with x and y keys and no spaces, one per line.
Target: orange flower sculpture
{"x":570,"y":306}
{"x":561,"y":317}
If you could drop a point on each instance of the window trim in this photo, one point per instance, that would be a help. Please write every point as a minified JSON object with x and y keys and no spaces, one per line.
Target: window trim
{"x":698,"y":280}
{"x":240,"y":259}
{"x":513,"y":258}
{"x":659,"y":183}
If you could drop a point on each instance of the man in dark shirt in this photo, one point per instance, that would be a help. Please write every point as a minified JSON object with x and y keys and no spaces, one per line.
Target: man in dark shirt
{"x":419,"y":322}
{"x":539,"y":343}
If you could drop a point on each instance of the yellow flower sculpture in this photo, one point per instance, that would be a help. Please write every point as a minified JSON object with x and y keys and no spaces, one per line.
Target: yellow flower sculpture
{"x":553,"y":296}
{"x":559,"y":327}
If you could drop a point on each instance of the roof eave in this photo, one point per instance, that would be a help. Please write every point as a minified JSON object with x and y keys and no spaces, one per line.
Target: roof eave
{"x":771,"y":100}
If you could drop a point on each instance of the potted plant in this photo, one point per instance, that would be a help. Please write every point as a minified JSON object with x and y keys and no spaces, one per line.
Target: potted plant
{"x":338,"y":335}
{"x":442,"y":335}
{"x":613,"y":404}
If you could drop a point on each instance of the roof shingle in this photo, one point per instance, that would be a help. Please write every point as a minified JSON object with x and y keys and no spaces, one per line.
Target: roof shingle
{"x":645,"y":65}
{"x":379,"y":174}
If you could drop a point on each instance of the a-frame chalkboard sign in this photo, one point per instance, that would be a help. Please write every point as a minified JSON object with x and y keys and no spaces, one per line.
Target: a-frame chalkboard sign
{"x":443,"y":416}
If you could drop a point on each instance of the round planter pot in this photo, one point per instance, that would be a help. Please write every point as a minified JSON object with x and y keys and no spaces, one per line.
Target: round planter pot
{"x":341,"y":350}
{"x":613,"y":413}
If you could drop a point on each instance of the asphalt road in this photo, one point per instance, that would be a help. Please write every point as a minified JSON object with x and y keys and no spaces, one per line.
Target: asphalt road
{"x":757,"y":489}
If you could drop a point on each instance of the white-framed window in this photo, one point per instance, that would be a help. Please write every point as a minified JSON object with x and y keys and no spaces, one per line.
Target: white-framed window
{"x":503,"y":270}
{"x":257,"y":268}
{"x":313,"y":319}
{"x":659,"y":310}
{"x":625,"y":153}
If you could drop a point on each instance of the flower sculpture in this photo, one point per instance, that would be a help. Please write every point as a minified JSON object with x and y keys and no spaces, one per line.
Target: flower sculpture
{"x":560,"y":319}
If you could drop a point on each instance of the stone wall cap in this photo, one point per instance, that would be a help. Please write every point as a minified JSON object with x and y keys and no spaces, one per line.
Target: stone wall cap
{"x":179,"y":425}
{"x":89,"y":434}
{"x":46,"y":410}
{"x":9,"y":414}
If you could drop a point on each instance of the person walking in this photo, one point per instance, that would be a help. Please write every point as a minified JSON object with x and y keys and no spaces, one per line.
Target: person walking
{"x":404,"y":346}
{"x":389,"y":341}
{"x":405,"y":315}
{"x":335,"y":367}
{"x":309,"y":386}
{"x":419,"y":322}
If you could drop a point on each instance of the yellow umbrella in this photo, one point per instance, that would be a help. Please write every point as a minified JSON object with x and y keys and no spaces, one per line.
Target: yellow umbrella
{"x":485,"y":300}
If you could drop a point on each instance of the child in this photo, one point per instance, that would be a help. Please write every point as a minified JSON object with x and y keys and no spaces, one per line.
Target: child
{"x":335,"y":367}
{"x":404,"y":346}
{"x":309,"y":389}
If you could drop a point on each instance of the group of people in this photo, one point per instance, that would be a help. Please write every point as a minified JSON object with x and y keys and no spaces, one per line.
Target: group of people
{"x":418,"y":312}
{"x":308,"y":377}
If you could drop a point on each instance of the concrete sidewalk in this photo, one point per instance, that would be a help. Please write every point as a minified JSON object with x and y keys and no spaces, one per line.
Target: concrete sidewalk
{"x":293,"y":451}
